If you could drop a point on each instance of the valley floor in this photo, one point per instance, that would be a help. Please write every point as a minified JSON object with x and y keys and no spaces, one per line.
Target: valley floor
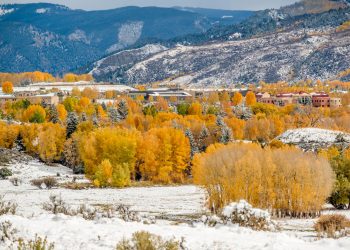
{"x":173,"y":207}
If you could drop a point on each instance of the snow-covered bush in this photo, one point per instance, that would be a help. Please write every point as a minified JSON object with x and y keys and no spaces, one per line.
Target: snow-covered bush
{"x":7,"y":207}
{"x":143,"y":240}
{"x":88,"y":212}
{"x":46,"y":182}
{"x":57,"y":205}
{"x":7,"y":232}
{"x":15,"y":181}
{"x":245,"y":215}
{"x":37,"y":244}
{"x":211,"y":221}
{"x":126,"y":214}
{"x":333,"y":226}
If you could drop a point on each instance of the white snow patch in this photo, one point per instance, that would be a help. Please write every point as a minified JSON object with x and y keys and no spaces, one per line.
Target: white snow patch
{"x":42,"y":10}
{"x":4,"y":11}
{"x":296,"y":136}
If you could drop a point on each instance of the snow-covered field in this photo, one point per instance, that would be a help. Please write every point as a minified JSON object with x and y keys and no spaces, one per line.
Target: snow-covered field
{"x":167,"y":204}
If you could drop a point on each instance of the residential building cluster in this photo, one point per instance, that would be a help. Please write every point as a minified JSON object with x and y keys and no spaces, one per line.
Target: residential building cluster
{"x":317,"y":100}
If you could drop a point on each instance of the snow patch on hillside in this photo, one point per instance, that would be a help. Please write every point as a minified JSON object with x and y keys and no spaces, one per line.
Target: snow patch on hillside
{"x":79,"y":35}
{"x":42,"y":10}
{"x":128,"y":34}
{"x":4,"y":11}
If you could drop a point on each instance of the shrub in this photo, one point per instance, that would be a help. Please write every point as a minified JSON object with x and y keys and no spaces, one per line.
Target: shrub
{"x":245,"y":215}
{"x":57,"y":205}
{"x":143,"y":240}
{"x":15,"y":181}
{"x":7,"y":207}
{"x":46,"y":182}
{"x":37,"y":244}
{"x":332,"y":226}
{"x":7,"y":232}
{"x":127,"y":215}
{"x":5,"y":172}
{"x":287,"y":180}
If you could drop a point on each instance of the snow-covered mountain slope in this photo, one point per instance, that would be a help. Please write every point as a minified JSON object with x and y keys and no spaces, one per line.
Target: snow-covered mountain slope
{"x":290,"y":55}
{"x":110,"y":66}
{"x":71,"y":39}
{"x":314,"y":138}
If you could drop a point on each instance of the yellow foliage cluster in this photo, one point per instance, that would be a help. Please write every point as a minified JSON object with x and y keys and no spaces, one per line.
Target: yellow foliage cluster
{"x":70,"y":77}
{"x":8,"y":134}
{"x":109,"y":155}
{"x":7,"y":87}
{"x":17,"y":78}
{"x":344,"y":26}
{"x":285,"y":180}
{"x":34,"y":110}
{"x":164,"y":155}
{"x":44,"y":140}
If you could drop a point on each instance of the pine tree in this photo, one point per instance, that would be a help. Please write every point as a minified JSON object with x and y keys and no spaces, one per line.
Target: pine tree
{"x":53,"y":114}
{"x":193,"y":144}
{"x":220,"y":121}
{"x":114,"y":115}
{"x":83,"y":117}
{"x":95,"y":121}
{"x":19,"y":143}
{"x":123,"y":109}
{"x":226,"y":135}
{"x":203,"y":136}
{"x":104,"y":106}
{"x":72,"y":123}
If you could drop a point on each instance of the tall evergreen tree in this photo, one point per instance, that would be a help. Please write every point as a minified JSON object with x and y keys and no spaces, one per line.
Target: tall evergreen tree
{"x":83,"y":117}
{"x":226,"y":135}
{"x":193,"y":144}
{"x":104,"y":106}
{"x":203,"y":136}
{"x":95,"y":121}
{"x":123,"y":109}
{"x":53,"y":114}
{"x":114,"y":115}
{"x":72,"y":123}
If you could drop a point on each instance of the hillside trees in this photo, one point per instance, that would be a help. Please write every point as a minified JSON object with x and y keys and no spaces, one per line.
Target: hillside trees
{"x":7,"y":87}
{"x":287,"y":181}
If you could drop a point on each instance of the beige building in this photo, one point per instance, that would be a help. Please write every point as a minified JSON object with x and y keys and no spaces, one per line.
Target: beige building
{"x":48,"y":99}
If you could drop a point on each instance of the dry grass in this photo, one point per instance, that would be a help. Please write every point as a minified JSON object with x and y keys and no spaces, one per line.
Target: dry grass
{"x":143,"y":240}
{"x":332,"y":226}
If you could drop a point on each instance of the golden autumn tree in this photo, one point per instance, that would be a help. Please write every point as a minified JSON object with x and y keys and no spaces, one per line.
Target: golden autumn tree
{"x":250,"y":98}
{"x":51,"y":139}
{"x":195,"y":109}
{"x":287,"y":181}
{"x":70,"y":77}
{"x":44,"y":140}
{"x":62,"y":112}
{"x":167,"y":159}
{"x":34,"y":114}
{"x":116,"y":145}
{"x":237,"y":98}
{"x":8,"y":134}
{"x":7,"y":87}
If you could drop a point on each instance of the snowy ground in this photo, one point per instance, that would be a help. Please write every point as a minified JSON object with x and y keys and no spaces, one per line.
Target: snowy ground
{"x":73,"y":232}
